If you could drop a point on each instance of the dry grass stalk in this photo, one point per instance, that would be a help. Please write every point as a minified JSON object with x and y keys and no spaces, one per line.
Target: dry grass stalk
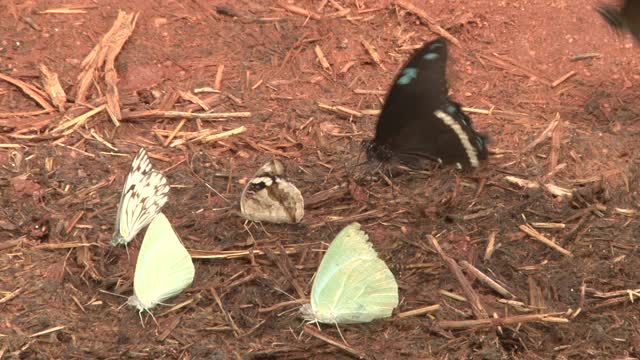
{"x":321,"y":58}
{"x":236,"y":331}
{"x":53,"y":88}
{"x":335,"y":342}
{"x":299,"y":11}
{"x":538,"y":236}
{"x":419,"y":311}
{"x":76,"y":122}
{"x":494,"y":322}
{"x":206,"y":136}
{"x":373,"y":53}
{"x":558,"y":191}
{"x":491,"y":246}
{"x":218,"y":82}
{"x":556,"y":141}
{"x":174,"y":132}
{"x":486,"y":279}
{"x":283,"y":304}
{"x":63,"y":11}
{"x":452,"y":295}
{"x":194,"y":99}
{"x":431,"y":23}
{"x":549,"y":225}
{"x":30,"y":90}
{"x":340,"y":109}
{"x":101,"y":140}
{"x":233,"y":254}
{"x":48,"y":331}
{"x":471,"y":296}
{"x":546,"y":133}
{"x":11,"y":295}
{"x":563,"y":78}
{"x":135,"y":115}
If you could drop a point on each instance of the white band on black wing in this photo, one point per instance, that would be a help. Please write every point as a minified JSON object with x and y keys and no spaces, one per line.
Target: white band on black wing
{"x":472,"y":153}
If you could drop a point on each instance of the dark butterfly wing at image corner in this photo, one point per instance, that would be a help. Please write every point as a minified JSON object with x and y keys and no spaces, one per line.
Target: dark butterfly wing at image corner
{"x":408,"y":128}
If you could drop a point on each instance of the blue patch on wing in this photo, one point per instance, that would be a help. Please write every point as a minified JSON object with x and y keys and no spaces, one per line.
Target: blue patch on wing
{"x":407,"y":76}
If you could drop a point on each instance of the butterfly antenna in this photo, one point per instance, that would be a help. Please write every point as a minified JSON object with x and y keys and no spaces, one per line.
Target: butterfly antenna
{"x":112,"y":293}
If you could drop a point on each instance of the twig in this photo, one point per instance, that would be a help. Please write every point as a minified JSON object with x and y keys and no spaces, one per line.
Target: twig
{"x":29,"y":90}
{"x":486,"y":279}
{"x":373,"y":53}
{"x":283,"y":304}
{"x":491,"y":245}
{"x":543,"y":135}
{"x":463,"y":324}
{"x":536,"y":235}
{"x":431,"y":23}
{"x":232,"y":254}
{"x":323,"y":60}
{"x":331,"y":341}
{"x":563,"y":78}
{"x":53,"y":88}
{"x":48,"y":331}
{"x":471,"y":296}
{"x":236,"y":331}
{"x":416,"y":312}
{"x":134,"y":115}
{"x":11,"y":295}
{"x":218,"y":82}
{"x":174,"y":132}
{"x":299,"y":11}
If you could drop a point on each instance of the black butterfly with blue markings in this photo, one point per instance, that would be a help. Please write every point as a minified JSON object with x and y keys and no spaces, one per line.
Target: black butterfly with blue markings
{"x":625,"y":17}
{"x":418,"y":120}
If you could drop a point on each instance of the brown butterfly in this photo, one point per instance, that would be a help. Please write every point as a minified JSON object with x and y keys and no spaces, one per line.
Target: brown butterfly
{"x":270,"y":197}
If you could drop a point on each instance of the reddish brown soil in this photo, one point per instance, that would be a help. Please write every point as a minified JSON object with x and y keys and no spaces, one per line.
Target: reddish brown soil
{"x":271,"y":70}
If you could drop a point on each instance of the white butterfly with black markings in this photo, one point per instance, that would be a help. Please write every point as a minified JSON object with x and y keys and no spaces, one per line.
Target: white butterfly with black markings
{"x":270,"y":197}
{"x":143,"y":196}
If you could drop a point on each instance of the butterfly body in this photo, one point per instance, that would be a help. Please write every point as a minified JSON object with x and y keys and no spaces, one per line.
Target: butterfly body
{"x":143,"y":195}
{"x":420,"y":123}
{"x":625,"y":17}
{"x":269,"y":197}
{"x":352,"y":285}
{"x":164,"y":267}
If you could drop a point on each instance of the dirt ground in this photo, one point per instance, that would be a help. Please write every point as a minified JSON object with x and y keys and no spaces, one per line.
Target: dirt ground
{"x":576,"y":184}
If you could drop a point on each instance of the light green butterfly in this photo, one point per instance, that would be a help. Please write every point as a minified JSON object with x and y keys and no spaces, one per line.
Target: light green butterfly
{"x":164,"y":267}
{"x":352,"y":285}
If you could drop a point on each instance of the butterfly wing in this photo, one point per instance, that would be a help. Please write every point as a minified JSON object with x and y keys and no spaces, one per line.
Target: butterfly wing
{"x":352,"y":284}
{"x":139,"y":205}
{"x":626,"y":17}
{"x":270,"y":197}
{"x":164,"y":267}
{"x":408,"y":127}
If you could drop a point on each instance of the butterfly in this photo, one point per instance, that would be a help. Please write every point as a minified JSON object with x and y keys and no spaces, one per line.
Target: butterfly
{"x":164,"y":267}
{"x":625,"y":17}
{"x":269,"y":197}
{"x":352,"y":285}
{"x":143,"y":196}
{"x":418,"y":120}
